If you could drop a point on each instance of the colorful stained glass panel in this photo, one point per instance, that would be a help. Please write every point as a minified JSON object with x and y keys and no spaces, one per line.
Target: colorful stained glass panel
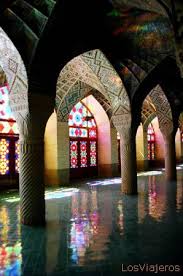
{"x":17,"y":156}
{"x":83,"y":154}
{"x":78,"y":132}
{"x":74,"y":154}
{"x":5,"y":111}
{"x":4,"y":156}
{"x":8,"y":127}
{"x":91,"y":123}
{"x":93,"y":159}
{"x":77,"y":116}
{"x":92,"y":133}
{"x":151,"y":143}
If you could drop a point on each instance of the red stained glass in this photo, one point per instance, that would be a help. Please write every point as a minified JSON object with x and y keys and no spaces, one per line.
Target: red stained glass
{"x":82,"y":130}
{"x":93,"y":154}
{"x":93,"y":133}
{"x":83,"y":154}
{"x":73,"y":154}
{"x":78,"y":132}
{"x":8,"y":127}
{"x":4,"y":156}
{"x":9,"y":149}
{"x":151,"y":142}
{"x":17,"y":156}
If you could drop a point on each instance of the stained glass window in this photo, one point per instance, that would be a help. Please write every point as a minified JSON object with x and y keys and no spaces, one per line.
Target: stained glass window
{"x":78,"y":132}
{"x":81,"y":117}
{"x":83,"y":153}
{"x":83,"y":137}
{"x":74,"y":154}
{"x":5,"y":111}
{"x":8,"y":127}
{"x":9,"y":148}
{"x":17,"y":156}
{"x":151,"y":142}
{"x":93,"y":150}
{"x":4,"y":156}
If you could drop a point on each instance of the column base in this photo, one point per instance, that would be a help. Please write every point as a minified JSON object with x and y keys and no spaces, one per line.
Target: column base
{"x":127,"y":190}
{"x":171,"y":177}
{"x":33,"y":222}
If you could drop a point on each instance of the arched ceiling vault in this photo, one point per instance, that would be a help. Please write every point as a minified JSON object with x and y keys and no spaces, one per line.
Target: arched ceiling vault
{"x":78,"y":92}
{"x":93,"y":69}
{"x":24,"y":21}
{"x":148,"y":109}
{"x":14,"y":73}
{"x":180,"y":123}
{"x":135,"y":36}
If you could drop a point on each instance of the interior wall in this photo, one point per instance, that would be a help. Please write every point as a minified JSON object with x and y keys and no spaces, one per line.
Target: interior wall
{"x":63,"y":157}
{"x":50,"y":151}
{"x":104,"y":135}
{"x":159,"y":144}
{"x":178,"y":145}
{"x":114,"y":152}
{"x":140,"y":148}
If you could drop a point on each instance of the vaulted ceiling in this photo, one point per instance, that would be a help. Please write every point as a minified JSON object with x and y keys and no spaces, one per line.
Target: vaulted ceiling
{"x":136,"y":36}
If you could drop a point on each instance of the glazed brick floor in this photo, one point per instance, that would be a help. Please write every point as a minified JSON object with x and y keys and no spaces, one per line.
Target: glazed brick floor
{"x":93,"y":229}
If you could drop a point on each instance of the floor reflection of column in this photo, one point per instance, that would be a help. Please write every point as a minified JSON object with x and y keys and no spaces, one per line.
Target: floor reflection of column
{"x":52,"y":238}
{"x":103,"y":228}
{"x":142,"y":206}
{"x":90,"y":227}
{"x":33,"y":242}
{"x":179,"y":196}
{"x":157,"y":198}
{"x":64,"y":217}
{"x":131,"y":230}
{"x":10,"y":247}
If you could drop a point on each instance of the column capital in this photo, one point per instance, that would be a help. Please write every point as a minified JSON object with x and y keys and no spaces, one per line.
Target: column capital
{"x":167,"y":128}
{"x":32,"y":121}
{"x":123,"y":124}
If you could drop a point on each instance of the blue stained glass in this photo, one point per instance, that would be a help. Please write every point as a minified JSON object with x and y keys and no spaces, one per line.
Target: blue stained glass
{"x":78,"y":132}
{"x":77,"y":116}
{"x":5,"y":111}
{"x":82,"y":126}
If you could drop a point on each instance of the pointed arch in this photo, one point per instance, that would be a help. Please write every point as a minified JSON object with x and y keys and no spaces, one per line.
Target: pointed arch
{"x":163,"y":109}
{"x":15,"y":71}
{"x":94,"y":69}
{"x":79,"y":91}
{"x":180,"y":123}
{"x":148,"y":112}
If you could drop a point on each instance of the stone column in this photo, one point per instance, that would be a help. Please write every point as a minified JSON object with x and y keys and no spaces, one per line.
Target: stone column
{"x":181,"y":143}
{"x":127,"y":152}
{"x":63,"y":148}
{"x":114,"y":152}
{"x":146,"y":161}
{"x":31,"y":177}
{"x":168,"y":133}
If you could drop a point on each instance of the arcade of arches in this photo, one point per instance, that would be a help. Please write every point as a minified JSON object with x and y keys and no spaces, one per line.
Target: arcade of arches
{"x":91,"y":91}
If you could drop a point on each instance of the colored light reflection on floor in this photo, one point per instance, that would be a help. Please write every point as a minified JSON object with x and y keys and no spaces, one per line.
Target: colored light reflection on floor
{"x":149,"y":173}
{"x":10,"y":260}
{"x":60,"y":193}
{"x":105,"y":182}
{"x":92,"y":230}
{"x":57,"y":193}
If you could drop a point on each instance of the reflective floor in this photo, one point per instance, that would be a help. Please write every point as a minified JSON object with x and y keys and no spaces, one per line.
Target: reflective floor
{"x":94,"y":230}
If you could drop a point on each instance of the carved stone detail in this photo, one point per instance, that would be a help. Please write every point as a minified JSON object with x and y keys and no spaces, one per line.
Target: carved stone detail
{"x":127,"y":152}
{"x":93,"y":69}
{"x":31,"y":125}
